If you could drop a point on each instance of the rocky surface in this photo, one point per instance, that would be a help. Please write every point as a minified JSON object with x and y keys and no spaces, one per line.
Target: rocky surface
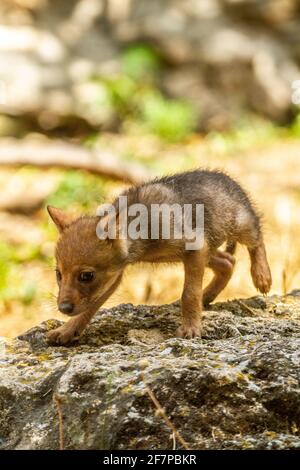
{"x":237,"y":388}
{"x":225,"y":55}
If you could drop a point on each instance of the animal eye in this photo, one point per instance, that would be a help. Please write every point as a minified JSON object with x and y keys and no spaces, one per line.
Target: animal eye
{"x":58,"y":275}
{"x":86,"y":276}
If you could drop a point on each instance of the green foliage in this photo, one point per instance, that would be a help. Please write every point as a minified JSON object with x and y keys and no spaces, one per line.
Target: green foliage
{"x":143,"y":105}
{"x":134,"y":97}
{"x":78,"y":188}
{"x":170,"y":119}
{"x":250,"y":133}
{"x":18,"y":254}
{"x":12,"y":284}
{"x":140,"y":62}
{"x":123,"y":93}
{"x":295,"y":127}
{"x":16,"y":290}
{"x":4,"y":272}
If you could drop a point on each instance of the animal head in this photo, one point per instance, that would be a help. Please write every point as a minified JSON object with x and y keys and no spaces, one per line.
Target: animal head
{"x":88,"y":269}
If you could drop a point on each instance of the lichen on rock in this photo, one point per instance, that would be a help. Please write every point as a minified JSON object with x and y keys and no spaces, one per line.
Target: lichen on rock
{"x":236,"y":388}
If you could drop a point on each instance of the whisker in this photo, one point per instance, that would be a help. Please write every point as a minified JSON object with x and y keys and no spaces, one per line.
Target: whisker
{"x":50,"y":308}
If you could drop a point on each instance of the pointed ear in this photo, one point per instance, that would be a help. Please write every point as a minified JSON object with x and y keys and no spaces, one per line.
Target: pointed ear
{"x":110,"y":228}
{"x":59,"y":217}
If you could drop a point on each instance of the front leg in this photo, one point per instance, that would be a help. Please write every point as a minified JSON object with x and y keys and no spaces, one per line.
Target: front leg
{"x":69,"y":331}
{"x":74,"y":327}
{"x":191,"y":300}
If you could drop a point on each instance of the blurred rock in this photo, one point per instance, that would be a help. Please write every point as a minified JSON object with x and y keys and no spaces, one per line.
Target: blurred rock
{"x":270,"y":93}
{"x":241,"y":55}
{"x":14,"y":188}
{"x":237,"y":388}
{"x":271,"y":12}
{"x":27,"y":231}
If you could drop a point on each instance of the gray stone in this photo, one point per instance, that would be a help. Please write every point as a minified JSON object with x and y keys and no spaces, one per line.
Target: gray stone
{"x":270,"y":12}
{"x":246,"y":52}
{"x":236,"y":388}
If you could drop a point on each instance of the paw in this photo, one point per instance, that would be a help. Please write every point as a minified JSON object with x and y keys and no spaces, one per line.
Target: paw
{"x":227,"y":256}
{"x":208,"y":298}
{"x":262,"y":280}
{"x":61,"y":335}
{"x":189,"y":331}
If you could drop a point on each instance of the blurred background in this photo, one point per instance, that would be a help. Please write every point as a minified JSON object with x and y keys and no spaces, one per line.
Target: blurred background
{"x":99,"y":94}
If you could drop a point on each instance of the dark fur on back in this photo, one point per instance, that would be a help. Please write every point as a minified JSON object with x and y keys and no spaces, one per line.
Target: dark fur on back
{"x":228,"y":211}
{"x":188,"y":184}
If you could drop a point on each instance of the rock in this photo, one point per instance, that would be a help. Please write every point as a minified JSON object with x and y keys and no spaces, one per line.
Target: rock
{"x":237,"y":388}
{"x":246,"y":53}
{"x":271,"y":12}
{"x":187,"y":82}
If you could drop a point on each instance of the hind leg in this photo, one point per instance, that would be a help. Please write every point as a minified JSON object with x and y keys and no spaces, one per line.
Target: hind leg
{"x":191,"y":300}
{"x":222,"y":264}
{"x":250,"y":234}
{"x":260,"y":271}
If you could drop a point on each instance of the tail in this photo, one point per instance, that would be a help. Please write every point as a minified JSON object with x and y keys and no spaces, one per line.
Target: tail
{"x":230,"y":247}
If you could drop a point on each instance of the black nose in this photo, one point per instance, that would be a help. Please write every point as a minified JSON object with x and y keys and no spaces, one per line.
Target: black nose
{"x":66,"y":307}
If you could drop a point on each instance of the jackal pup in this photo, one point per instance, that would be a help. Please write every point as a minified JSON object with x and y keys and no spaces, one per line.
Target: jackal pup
{"x":90,"y":269}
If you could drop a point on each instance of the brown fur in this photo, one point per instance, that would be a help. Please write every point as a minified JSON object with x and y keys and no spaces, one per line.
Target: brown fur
{"x":229,"y":217}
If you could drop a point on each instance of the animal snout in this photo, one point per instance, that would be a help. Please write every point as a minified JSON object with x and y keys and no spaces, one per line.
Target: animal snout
{"x":66,"y":307}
